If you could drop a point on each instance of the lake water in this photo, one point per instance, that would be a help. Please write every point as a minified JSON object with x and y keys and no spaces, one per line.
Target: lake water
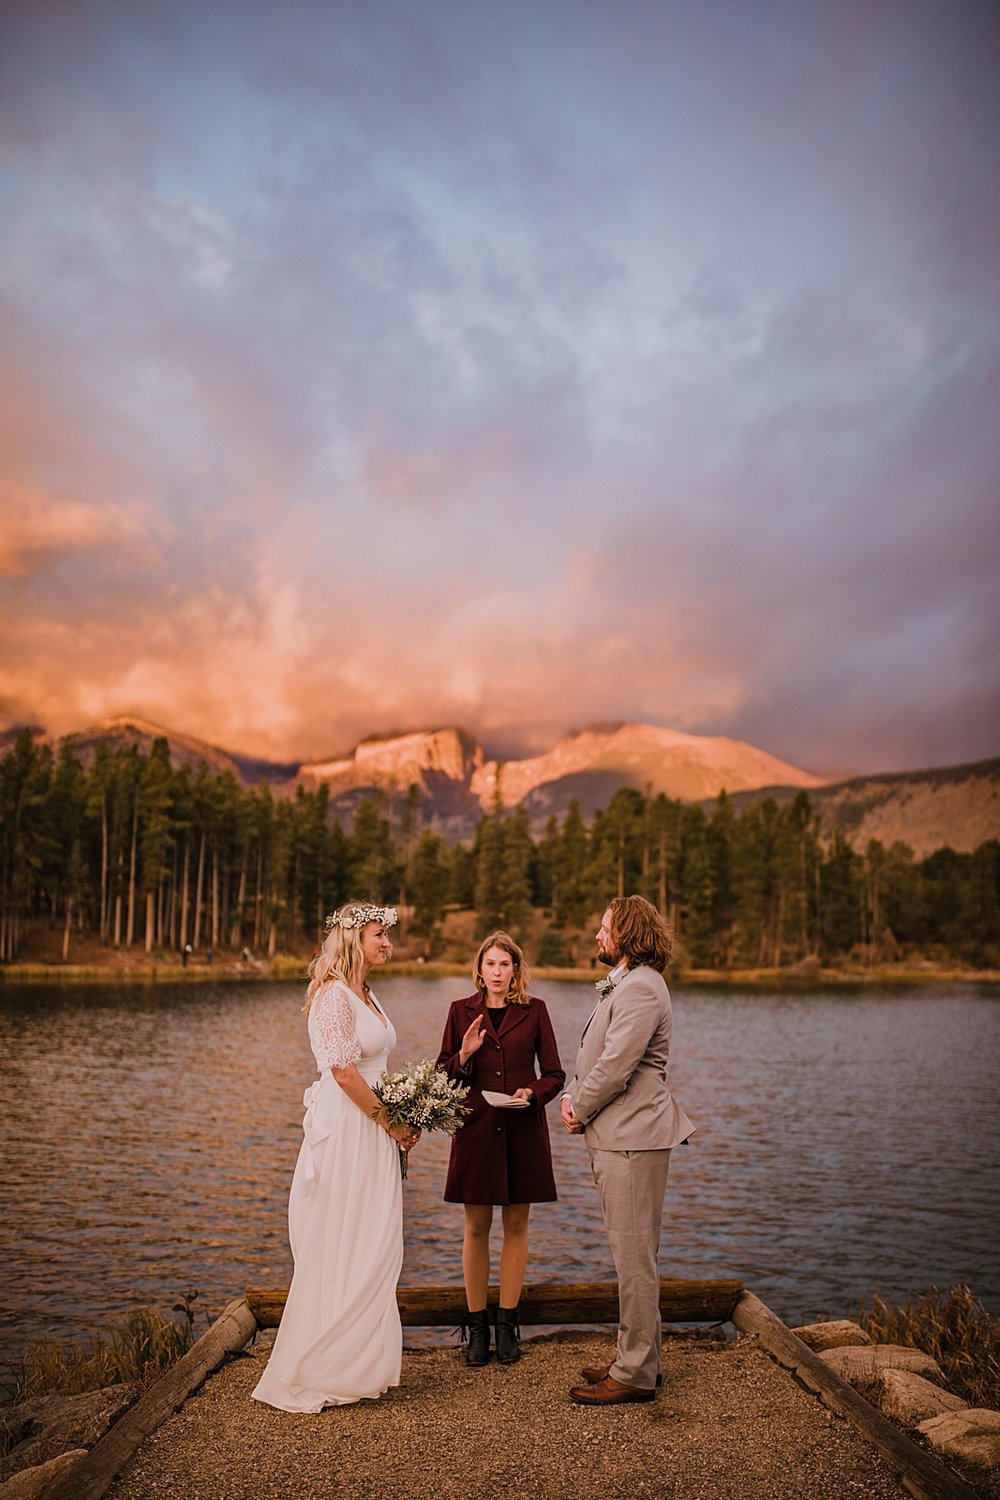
{"x":847,"y":1145}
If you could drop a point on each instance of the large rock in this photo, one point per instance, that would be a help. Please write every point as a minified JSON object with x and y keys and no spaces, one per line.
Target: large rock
{"x":860,"y":1365}
{"x":52,"y":1424}
{"x":837,"y":1335}
{"x":912,"y":1399}
{"x":15,"y":1424}
{"x":973,"y":1434}
{"x":37,"y":1482}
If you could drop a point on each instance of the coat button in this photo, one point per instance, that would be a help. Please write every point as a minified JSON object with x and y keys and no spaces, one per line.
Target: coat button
{"x":499,"y":1075}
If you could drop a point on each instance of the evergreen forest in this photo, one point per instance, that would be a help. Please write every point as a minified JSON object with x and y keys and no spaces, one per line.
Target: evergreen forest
{"x":134,"y":852}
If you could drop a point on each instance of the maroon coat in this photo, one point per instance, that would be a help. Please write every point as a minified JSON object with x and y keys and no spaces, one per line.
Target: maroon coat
{"x":503,"y":1155}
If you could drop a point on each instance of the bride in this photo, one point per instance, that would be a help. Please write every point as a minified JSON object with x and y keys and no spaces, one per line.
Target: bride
{"x":340,"y":1338}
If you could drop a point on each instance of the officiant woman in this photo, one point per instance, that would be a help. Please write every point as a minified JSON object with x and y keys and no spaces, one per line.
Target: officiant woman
{"x":500,"y":1040}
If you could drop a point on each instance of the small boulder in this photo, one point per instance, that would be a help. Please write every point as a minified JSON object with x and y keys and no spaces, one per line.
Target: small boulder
{"x":863,"y":1364}
{"x":912,"y":1399}
{"x":973,"y":1434}
{"x":37,"y":1482}
{"x":837,"y":1335}
{"x":53,"y":1424}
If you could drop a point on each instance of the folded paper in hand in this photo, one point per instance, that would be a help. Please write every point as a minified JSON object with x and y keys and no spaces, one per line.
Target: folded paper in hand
{"x":504,"y":1101}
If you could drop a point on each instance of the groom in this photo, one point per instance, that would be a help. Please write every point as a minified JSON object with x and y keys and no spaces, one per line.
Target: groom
{"x":619,"y":1101}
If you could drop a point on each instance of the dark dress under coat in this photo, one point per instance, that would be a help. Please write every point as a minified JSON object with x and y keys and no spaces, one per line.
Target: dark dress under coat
{"x":503,"y":1155}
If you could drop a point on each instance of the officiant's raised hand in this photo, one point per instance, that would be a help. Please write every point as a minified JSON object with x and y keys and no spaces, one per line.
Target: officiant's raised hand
{"x":472,"y":1040}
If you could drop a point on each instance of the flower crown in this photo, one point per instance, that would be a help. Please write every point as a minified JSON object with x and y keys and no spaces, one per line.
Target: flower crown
{"x":360,"y":916}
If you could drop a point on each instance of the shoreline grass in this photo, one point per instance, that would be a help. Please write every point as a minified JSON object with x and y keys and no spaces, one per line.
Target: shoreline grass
{"x":139,"y":1351}
{"x":292,"y":967}
{"x":955,"y":1329}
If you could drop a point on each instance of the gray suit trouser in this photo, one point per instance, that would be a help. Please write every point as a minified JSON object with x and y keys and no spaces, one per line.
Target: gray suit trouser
{"x":632,"y":1185}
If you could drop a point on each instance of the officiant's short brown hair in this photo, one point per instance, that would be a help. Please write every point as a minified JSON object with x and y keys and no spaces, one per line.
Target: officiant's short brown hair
{"x":640,"y":933}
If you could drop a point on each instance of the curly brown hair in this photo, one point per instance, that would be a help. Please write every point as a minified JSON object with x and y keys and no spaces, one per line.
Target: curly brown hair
{"x":640,"y":933}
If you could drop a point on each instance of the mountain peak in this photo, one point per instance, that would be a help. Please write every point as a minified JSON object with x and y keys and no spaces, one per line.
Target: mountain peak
{"x":131,"y":729}
{"x":400,"y":760}
{"x":692,"y":767}
{"x":958,"y":806}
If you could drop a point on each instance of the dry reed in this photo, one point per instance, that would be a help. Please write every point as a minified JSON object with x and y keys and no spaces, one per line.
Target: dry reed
{"x":139,"y":1351}
{"x":955,"y":1329}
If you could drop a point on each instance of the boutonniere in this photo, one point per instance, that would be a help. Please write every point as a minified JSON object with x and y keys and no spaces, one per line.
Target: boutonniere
{"x":605,"y":986}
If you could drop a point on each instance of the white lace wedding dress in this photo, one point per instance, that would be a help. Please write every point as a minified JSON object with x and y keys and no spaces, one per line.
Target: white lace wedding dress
{"x":340,"y":1338}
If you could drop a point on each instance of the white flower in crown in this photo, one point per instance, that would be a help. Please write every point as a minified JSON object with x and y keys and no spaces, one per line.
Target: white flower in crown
{"x":361,"y":916}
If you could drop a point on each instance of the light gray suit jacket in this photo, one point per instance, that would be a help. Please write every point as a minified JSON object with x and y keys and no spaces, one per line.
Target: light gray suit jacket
{"x":620,"y":1089}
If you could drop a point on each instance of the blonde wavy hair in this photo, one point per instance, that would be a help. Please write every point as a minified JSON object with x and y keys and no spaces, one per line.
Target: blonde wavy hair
{"x":518,"y":992}
{"x":340,"y":956}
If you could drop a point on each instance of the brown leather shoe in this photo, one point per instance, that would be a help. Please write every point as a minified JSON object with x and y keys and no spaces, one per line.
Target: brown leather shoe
{"x":594,"y":1374}
{"x":608,"y":1392}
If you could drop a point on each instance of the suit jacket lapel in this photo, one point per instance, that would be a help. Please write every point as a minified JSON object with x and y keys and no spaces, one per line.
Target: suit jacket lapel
{"x":593,"y":1013}
{"x":474,"y":1008}
{"x":600,"y":1001}
{"x":512,"y":1016}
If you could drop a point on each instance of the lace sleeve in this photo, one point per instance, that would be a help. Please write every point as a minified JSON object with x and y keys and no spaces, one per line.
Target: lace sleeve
{"x":334,"y":1038}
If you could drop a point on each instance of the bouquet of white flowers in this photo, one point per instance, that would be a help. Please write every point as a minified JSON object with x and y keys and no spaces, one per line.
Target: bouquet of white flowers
{"x":422,"y":1097}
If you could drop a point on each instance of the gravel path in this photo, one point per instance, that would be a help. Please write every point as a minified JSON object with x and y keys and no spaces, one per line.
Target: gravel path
{"x":728,"y":1425}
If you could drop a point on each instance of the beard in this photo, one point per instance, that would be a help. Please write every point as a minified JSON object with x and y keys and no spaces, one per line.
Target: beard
{"x":604,"y":957}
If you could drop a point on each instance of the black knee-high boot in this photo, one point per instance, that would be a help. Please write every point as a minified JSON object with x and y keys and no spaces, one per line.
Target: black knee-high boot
{"x":508,"y":1348}
{"x":478,"y":1352}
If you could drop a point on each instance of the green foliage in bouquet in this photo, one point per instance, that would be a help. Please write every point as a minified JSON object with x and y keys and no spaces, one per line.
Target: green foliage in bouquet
{"x":423,"y":1097}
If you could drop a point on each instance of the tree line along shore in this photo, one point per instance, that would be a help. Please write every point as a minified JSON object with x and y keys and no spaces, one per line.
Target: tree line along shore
{"x":128,"y":861}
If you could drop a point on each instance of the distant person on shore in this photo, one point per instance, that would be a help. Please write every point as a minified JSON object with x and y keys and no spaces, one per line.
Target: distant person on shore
{"x":209,"y":954}
{"x":618,"y":1099}
{"x":186,"y":952}
{"x":340,"y":1338}
{"x":500,"y":1041}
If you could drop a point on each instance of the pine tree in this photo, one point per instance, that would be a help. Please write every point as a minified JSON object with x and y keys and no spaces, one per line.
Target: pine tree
{"x":840,"y":898}
{"x":572,"y":897}
{"x":431,"y":877}
{"x":720,"y":838}
{"x":461,"y":877}
{"x":697,"y":887}
{"x":489,"y":853}
{"x":154,"y":798}
{"x":374,"y":861}
{"x":517,"y":864}
{"x":409,"y":833}
{"x":547,"y":861}
{"x":66,"y":872}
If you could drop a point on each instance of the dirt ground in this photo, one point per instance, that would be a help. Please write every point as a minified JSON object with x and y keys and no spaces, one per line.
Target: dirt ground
{"x":729,"y":1424}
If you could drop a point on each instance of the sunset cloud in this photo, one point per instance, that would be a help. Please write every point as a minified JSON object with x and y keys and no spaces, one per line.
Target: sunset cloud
{"x":368,"y":367}
{"x":37,"y":528}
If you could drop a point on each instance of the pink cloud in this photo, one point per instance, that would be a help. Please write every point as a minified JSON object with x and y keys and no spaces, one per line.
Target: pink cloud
{"x":37,"y":528}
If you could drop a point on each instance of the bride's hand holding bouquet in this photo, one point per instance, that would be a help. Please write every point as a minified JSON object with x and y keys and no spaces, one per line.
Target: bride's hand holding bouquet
{"x":421,"y":1097}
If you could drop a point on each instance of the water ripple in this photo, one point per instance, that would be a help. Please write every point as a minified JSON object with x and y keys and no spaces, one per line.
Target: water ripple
{"x":846,"y":1145}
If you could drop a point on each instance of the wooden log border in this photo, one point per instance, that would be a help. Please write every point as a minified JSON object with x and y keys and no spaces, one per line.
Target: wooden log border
{"x":925,"y":1476}
{"x":92,"y":1476}
{"x":545,"y":1302}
